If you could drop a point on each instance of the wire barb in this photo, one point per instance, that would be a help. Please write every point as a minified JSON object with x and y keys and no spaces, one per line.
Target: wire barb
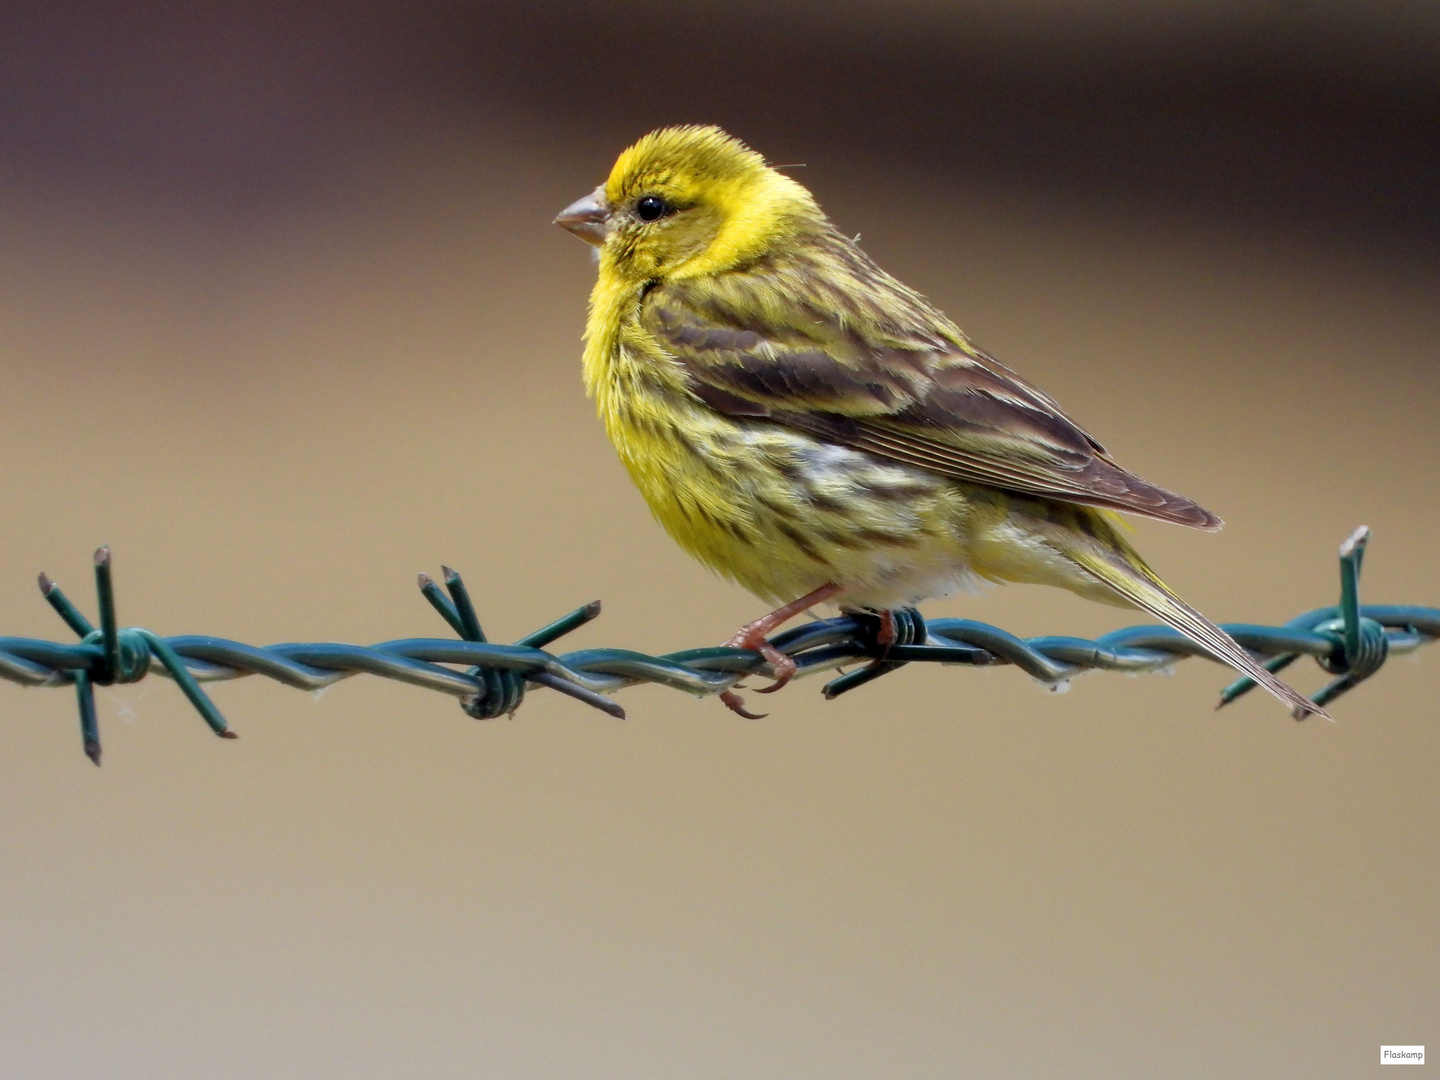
{"x":1360,"y":644}
{"x":501,"y":691}
{"x":1351,"y":641}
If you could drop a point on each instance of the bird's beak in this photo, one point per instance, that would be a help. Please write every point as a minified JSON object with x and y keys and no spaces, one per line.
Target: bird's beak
{"x":587,"y":218}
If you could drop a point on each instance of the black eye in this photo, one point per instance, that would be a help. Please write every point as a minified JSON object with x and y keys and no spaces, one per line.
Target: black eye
{"x":651,"y":207}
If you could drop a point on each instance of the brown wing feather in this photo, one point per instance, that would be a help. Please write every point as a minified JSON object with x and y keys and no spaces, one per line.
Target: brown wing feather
{"x":910,"y":389}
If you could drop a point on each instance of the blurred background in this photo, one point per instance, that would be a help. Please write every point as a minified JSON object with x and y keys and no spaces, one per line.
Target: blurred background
{"x":285,"y":321}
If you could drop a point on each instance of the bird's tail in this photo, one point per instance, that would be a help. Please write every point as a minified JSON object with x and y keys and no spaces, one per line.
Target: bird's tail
{"x":1121,"y":568}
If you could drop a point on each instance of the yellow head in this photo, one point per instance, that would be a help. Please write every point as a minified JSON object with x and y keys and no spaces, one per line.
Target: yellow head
{"x":687,"y":201}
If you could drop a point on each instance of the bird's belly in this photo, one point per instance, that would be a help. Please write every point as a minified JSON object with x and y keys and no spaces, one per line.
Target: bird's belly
{"x":783,"y":513}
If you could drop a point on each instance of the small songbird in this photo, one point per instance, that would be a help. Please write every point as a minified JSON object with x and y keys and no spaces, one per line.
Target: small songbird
{"x":810,"y":427}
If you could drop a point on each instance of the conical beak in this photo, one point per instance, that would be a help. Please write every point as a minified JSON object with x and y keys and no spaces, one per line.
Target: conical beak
{"x":587,"y":218}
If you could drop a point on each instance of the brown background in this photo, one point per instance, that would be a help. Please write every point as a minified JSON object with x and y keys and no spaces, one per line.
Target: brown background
{"x":284,"y":321}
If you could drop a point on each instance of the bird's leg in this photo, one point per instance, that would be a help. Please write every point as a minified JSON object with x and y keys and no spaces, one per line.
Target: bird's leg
{"x":888,"y":631}
{"x":753,"y":636}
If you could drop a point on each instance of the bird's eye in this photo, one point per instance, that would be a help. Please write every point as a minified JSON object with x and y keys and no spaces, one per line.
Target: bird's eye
{"x":651,"y":208}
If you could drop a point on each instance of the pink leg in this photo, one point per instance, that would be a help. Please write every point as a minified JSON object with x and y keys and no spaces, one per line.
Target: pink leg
{"x":888,"y":635}
{"x":753,"y":636}
{"x":888,"y":630}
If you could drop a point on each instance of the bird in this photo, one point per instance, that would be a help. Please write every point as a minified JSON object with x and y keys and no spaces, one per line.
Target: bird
{"x":813,"y":429}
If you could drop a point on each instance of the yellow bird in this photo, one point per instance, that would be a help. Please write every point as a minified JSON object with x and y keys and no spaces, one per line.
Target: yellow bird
{"x":815,"y":430}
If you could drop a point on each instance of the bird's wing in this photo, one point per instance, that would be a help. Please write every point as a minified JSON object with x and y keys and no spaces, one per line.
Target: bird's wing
{"x":889,"y":379}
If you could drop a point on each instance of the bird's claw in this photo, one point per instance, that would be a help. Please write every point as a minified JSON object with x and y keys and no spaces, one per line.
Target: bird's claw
{"x":784,"y":667}
{"x":736,"y":704}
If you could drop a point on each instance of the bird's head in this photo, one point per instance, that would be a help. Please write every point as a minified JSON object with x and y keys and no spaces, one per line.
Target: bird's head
{"x":687,"y":201}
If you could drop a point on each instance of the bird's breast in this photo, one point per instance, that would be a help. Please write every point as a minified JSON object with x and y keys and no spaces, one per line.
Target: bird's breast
{"x":778,"y":510}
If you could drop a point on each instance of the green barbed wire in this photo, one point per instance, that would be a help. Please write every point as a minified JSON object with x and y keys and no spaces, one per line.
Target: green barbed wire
{"x":1350,"y":640}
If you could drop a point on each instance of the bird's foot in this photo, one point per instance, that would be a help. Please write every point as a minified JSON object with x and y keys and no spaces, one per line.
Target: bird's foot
{"x":754,"y":635}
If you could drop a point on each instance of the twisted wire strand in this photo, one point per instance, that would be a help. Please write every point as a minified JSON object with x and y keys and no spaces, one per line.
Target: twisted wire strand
{"x":1349,"y":640}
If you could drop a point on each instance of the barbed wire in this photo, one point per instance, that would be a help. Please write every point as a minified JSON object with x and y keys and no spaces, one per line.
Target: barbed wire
{"x":1350,"y":640}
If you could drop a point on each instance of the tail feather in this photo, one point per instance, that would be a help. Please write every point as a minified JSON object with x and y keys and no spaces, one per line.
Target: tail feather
{"x":1136,"y":583}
